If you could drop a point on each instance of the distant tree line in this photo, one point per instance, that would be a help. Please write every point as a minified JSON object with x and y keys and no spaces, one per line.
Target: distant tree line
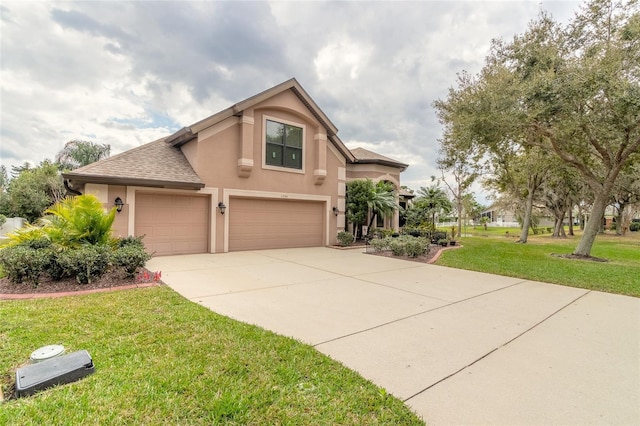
{"x":29,"y":190}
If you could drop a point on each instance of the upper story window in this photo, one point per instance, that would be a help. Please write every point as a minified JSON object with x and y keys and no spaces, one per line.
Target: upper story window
{"x":283,"y":145}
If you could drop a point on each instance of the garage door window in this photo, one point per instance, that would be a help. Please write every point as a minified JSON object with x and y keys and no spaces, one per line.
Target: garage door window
{"x":283,"y":145}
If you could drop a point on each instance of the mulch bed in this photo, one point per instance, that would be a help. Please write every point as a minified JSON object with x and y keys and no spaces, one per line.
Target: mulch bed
{"x":108,"y":281}
{"x":580,"y":257}
{"x":433,"y":255}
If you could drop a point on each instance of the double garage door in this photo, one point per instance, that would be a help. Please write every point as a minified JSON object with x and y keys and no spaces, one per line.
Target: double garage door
{"x":179,"y":224}
{"x":256,"y":224}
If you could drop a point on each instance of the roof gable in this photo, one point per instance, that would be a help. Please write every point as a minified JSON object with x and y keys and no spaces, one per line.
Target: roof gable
{"x":163,"y":164}
{"x":186,"y":134}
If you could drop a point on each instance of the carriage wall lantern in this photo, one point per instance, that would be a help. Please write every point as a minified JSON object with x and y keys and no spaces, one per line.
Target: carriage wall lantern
{"x":118,"y":203}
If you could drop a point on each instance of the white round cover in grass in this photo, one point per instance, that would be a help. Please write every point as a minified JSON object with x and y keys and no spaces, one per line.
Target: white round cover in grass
{"x":46,"y":352}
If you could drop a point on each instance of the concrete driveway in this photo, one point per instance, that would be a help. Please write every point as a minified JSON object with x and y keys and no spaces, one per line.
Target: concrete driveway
{"x":458,"y":347}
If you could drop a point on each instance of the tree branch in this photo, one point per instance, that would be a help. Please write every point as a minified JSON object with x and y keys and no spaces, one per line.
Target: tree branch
{"x":606,"y":158}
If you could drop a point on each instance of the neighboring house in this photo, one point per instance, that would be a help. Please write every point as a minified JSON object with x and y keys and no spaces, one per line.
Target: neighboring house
{"x":500,"y":216}
{"x":268,"y":172}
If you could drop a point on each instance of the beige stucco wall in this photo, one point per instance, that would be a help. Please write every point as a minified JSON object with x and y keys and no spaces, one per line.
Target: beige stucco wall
{"x":375,"y":172}
{"x":120,"y":226}
{"x":230,"y":157}
{"x":107,"y":194}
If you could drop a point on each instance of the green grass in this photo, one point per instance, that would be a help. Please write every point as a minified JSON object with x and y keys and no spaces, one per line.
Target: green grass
{"x":161,"y":359}
{"x":534,"y":261}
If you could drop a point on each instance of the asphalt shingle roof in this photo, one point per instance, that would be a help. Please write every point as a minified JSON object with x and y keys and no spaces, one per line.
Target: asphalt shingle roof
{"x":365,"y":156}
{"x":155,"y":161}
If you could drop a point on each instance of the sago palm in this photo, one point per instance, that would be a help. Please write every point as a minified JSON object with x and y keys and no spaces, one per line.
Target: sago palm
{"x":79,"y":220}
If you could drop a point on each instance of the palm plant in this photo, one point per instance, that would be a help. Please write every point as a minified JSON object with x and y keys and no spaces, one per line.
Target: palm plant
{"x":77,"y":153}
{"x":79,"y":220}
{"x":433,"y":201}
{"x":382,"y":201}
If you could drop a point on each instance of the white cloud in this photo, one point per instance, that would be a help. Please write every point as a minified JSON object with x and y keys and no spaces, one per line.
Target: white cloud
{"x":130,"y":74}
{"x":341,"y":61}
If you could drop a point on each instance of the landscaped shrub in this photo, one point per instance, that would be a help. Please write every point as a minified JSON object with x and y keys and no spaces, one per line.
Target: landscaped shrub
{"x":21,"y":263}
{"x":415,"y":247}
{"x":397,"y":246}
{"x":38,"y":242}
{"x":85,"y":263}
{"x":131,"y":241}
{"x":130,"y":257}
{"x":54,"y":269}
{"x":437,"y":236}
{"x":380,"y":244}
{"x":403,"y":245}
{"x":345,"y":239}
{"x":634,"y":227}
{"x":79,"y":220}
{"x":416,"y":232}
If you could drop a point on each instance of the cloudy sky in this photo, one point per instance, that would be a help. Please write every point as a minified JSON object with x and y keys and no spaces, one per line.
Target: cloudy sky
{"x":126,"y":73}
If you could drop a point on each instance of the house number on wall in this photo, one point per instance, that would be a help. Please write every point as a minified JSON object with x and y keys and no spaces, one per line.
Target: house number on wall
{"x":284,"y":196}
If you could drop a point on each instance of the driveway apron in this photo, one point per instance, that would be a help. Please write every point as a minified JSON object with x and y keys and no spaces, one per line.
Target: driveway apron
{"x":459,"y":347}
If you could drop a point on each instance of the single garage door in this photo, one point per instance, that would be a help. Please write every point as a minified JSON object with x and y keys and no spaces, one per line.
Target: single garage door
{"x":256,"y":224}
{"x":173,"y":224}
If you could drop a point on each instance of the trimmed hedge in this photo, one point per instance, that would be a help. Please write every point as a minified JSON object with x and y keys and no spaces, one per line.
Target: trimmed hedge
{"x":130,"y":257}
{"x":404,"y":245}
{"x":22,"y":263}
{"x":29,"y":260}
{"x":86,"y":263}
{"x":345,"y":239}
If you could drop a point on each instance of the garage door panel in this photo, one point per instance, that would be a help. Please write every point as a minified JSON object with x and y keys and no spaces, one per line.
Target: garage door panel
{"x":173,"y":224}
{"x":256,"y":224}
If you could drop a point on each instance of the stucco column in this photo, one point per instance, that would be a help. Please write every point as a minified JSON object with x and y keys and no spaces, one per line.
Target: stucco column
{"x":245,"y":162}
{"x":320,"y":169}
{"x":396,"y":213}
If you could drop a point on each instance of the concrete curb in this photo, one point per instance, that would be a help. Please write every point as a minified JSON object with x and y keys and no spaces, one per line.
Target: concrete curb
{"x":23,"y":296}
{"x":437,"y":255}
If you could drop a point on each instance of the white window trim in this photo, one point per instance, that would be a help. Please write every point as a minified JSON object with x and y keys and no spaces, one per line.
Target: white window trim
{"x":266,"y":166}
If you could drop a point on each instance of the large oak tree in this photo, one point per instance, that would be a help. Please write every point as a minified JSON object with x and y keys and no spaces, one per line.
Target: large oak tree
{"x":572,"y":91}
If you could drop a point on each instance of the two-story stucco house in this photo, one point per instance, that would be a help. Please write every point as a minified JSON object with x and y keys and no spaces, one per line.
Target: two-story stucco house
{"x":268,"y":172}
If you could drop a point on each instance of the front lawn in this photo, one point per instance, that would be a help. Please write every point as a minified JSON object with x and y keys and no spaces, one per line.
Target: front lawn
{"x":161,"y":359}
{"x":534,"y":261}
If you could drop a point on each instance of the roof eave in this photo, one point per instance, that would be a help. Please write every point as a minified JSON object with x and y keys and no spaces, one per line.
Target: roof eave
{"x":113,"y":180}
{"x":393,"y":164}
{"x":181,"y":137}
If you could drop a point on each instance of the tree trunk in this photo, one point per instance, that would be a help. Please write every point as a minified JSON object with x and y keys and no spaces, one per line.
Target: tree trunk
{"x":619,"y":218}
{"x":557,"y":227}
{"x":459,"y":217}
{"x":593,"y":225}
{"x":373,"y":217}
{"x":526,"y":219}
{"x":571,"y":220}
